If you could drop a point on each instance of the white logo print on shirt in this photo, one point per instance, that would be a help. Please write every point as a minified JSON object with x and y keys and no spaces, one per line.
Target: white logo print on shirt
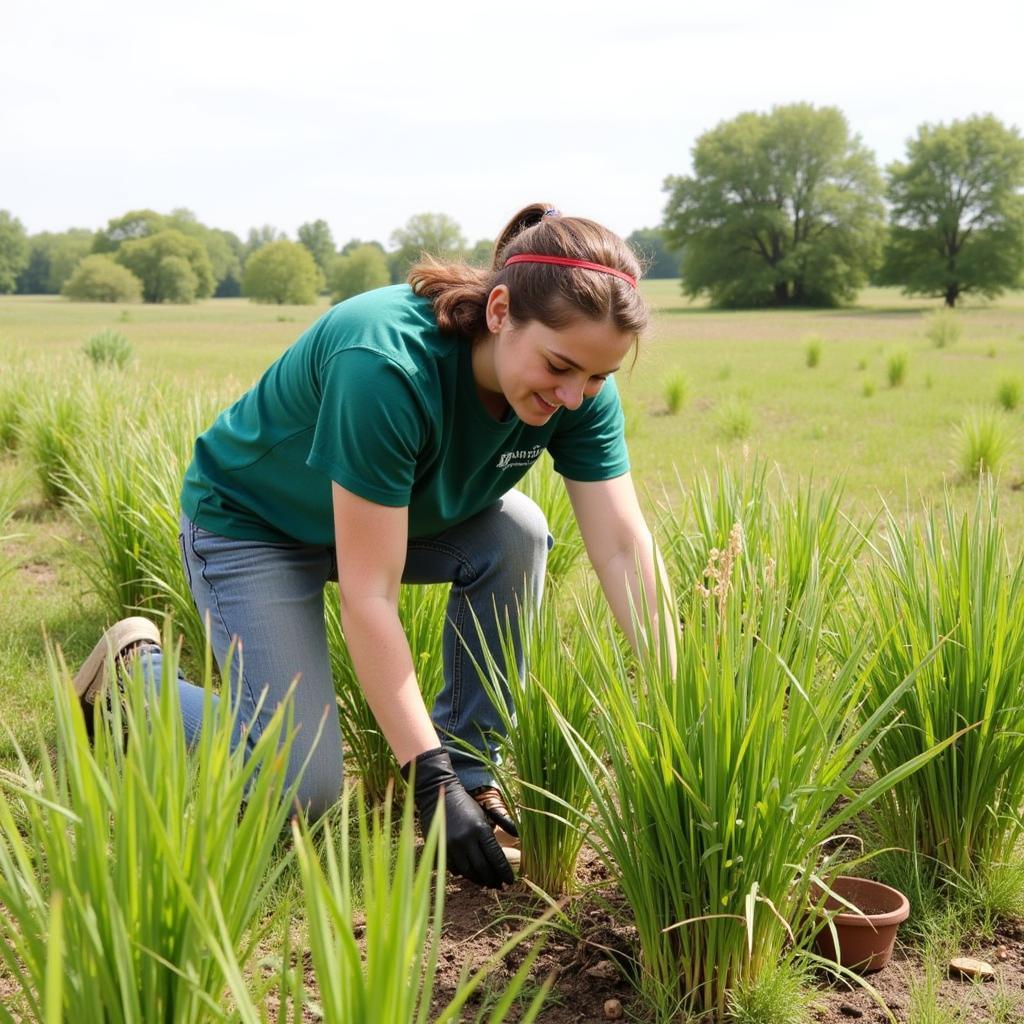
{"x":519,"y":457}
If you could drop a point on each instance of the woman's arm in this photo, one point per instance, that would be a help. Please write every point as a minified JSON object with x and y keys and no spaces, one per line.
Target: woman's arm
{"x":621,"y":550}
{"x":371,"y":544}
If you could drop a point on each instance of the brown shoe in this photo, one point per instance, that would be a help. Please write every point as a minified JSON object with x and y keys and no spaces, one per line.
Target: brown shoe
{"x":493,"y":804}
{"x":119,"y":642}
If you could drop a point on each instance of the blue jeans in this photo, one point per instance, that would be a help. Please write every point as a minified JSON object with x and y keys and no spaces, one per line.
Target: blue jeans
{"x":269,"y":597}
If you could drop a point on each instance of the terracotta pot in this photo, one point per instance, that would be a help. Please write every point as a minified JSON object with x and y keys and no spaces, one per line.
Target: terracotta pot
{"x":865,"y":942}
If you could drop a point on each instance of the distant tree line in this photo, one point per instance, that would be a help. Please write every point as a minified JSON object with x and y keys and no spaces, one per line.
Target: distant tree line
{"x":789,"y":208}
{"x":784,"y":208}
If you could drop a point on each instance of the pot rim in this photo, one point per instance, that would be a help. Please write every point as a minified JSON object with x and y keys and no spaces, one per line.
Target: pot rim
{"x":874,"y":921}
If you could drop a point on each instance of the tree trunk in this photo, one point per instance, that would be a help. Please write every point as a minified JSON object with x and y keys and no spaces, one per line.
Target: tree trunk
{"x":952,"y":291}
{"x":781,"y":296}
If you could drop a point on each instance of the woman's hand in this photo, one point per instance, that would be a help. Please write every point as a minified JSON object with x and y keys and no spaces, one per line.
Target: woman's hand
{"x":471,"y":847}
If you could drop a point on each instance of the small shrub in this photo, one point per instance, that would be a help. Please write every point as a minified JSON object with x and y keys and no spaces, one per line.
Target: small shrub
{"x":984,"y":438}
{"x":1008,"y":394}
{"x":896,"y":369}
{"x":98,"y":278}
{"x":675,"y":387}
{"x":943,"y":328}
{"x":812,"y":353}
{"x":361,"y":270}
{"x":108,"y":348}
{"x":734,"y":420}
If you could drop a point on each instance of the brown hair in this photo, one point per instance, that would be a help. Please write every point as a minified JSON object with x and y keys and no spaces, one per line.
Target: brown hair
{"x":554,"y":295}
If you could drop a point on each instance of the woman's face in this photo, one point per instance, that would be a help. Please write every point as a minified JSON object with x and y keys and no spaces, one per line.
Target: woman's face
{"x":539,"y":369}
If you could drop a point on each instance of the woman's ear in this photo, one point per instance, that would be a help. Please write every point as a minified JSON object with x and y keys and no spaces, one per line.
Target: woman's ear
{"x":497,"y":309}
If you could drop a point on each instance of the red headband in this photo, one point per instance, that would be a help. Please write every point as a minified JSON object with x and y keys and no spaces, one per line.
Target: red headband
{"x":565,"y":261}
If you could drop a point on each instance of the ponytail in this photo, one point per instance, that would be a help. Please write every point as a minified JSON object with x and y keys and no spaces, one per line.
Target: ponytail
{"x":554,"y":295}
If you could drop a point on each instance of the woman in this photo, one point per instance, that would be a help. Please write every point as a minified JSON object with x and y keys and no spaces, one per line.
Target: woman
{"x":382,"y":448}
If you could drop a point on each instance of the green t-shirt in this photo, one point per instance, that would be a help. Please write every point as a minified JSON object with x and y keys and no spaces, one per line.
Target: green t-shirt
{"x":375,"y":397}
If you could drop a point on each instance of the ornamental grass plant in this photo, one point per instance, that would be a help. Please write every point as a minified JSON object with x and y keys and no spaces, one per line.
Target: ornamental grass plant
{"x":423,"y":610}
{"x":787,"y":533}
{"x":133,"y":872}
{"x":983,"y":440}
{"x":715,"y":784}
{"x":538,"y":773}
{"x":108,"y":348}
{"x":123,"y":479}
{"x":51,"y":421}
{"x":387,"y":970}
{"x":947,"y":580}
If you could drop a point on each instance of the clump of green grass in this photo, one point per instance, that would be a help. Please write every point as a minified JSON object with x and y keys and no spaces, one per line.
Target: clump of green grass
{"x":992,"y":353}
{"x":538,"y":772}
{"x":734,"y":419}
{"x":108,"y":348}
{"x":133,"y":873}
{"x":779,"y":995}
{"x":675,"y":388}
{"x":868,"y":388}
{"x":725,"y":371}
{"x":862,"y":365}
{"x":1009,"y":392}
{"x":943,"y":328}
{"x":812,"y":351}
{"x":983,"y":440}
{"x":702,"y":808}
{"x":896,"y":368}
{"x":388,"y":969}
{"x":48,"y":434}
{"x":944,"y":602}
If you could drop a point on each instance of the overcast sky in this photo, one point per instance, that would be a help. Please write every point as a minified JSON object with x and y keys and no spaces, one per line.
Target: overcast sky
{"x":366,"y":113}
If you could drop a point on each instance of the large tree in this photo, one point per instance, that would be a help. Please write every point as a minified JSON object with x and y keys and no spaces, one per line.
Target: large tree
{"x":782,"y":209}
{"x":282,"y":272}
{"x":167,"y":282}
{"x":132,"y":225}
{"x":317,"y":238}
{"x":956,"y":212}
{"x":434,"y":233}
{"x":52,"y":258}
{"x":13,"y":251}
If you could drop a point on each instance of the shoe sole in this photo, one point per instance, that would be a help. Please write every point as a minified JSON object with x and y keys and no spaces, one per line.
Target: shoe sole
{"x":510,"y":847}
{"x":133,"y":630}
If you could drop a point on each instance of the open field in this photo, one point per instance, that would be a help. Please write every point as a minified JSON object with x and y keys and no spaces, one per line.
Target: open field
{"x":749,"y":397}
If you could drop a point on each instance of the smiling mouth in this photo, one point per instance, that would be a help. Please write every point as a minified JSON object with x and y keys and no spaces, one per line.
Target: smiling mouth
{"x":547,"y":406}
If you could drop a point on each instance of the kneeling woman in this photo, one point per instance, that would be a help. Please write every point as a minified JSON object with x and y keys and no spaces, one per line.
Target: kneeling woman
{"x":382,"y":448}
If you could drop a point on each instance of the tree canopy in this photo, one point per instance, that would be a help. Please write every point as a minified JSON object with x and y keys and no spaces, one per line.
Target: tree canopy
{"x":317,"y":238}
{"x":13,"y":251}
{"x":433,"y":233}
{"x":364,"y":268}
{"x":145,"y":257}
{"x":282,"y":272}
{"x":782,"y":209}
{"x":957,"y":215}
{"x":52,"y":257}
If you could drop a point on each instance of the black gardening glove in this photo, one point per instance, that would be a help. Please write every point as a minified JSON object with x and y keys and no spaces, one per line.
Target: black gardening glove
{"x":472,"y":849}
{"x":493,"y":804}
